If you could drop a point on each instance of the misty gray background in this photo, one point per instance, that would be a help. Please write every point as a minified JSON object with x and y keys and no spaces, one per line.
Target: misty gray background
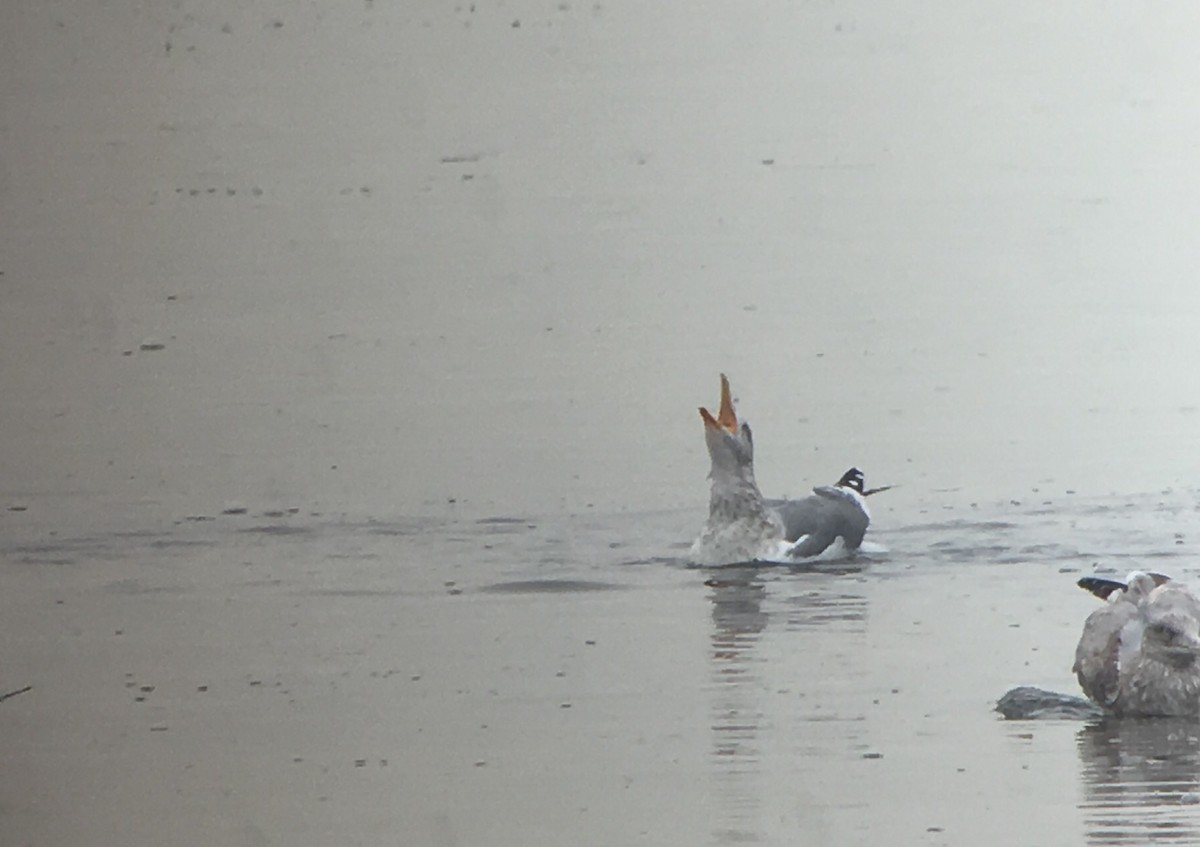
{"x":459,"y":258}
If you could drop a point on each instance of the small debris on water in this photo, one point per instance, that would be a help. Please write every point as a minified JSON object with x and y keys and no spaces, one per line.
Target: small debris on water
{"x":158,"y":727}
{"x":872,"y":755}
{"x":233,"y":508}
{"x":151,"y":344}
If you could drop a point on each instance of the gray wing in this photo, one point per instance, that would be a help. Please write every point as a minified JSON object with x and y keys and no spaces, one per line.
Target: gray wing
{"x":850,"y":520}
{"x":801,"y":517}
{"x":820,"y":519}
{"x":1096,"y":656}
{"x":814,"y":544}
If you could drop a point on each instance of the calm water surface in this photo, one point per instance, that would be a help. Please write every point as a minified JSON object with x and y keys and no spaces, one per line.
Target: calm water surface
{"x":523,"y":679}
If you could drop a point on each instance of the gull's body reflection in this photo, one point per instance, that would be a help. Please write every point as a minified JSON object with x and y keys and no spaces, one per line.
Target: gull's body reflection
{"x":745,"y":700}
{"x":1140,"y":778}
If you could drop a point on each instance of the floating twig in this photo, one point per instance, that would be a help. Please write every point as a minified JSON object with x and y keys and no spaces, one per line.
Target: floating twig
{"x":4,"y":697}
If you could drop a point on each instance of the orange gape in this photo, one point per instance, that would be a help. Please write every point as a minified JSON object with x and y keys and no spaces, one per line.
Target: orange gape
{"x":725,"y":418}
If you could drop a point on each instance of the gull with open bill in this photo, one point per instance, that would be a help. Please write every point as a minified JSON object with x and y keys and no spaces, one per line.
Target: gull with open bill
{"x":742,"y":526}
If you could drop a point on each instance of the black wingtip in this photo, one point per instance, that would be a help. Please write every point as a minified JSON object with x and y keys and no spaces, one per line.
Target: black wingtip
{"x":852,"y":479}
{"x":1099,"y":586}
{"x":855,"y":481}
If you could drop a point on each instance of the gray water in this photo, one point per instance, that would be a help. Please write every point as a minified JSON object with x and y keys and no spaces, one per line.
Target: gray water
{"x":432,"y":292}
{"x":541,"y":679}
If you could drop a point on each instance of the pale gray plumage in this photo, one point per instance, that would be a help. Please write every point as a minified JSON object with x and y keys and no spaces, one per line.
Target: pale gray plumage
{"x":1140,"y":653}
{"x":829,"y":513}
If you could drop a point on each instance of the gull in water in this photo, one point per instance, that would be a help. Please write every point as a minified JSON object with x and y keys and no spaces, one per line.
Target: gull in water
{"x":744,"y":527}
{"x":1139,"y":654}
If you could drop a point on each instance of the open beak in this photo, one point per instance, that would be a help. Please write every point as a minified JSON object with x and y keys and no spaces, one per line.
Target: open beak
{"x":725,"y":419}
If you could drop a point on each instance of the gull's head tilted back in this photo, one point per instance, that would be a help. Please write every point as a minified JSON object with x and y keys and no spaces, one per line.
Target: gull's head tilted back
{"x":730,"y":444}
{"x":740,"y":528}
